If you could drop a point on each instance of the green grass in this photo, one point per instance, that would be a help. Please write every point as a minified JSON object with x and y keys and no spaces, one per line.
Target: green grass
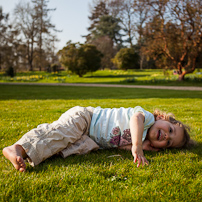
{"x":173,"y":175}
{"x":137,"y":77}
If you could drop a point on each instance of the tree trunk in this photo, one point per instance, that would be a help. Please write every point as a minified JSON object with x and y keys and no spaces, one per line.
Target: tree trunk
{"x":0,"y":61}
{"x":181,"y":76}
{"x":141,"y":60}
{"x":30,"y":66}
{"x":191,"y":70}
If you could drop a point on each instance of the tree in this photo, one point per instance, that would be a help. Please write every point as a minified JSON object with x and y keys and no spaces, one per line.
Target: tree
{"x":3,"y":32}
{"x":141,"y":9}
{"x":9,"y":43}
{"x":126,"y":58}
{"x":26,"y":20}
{"x":103,"y":24}
{"x":105,"y":45}
{"x":80,"y":58}
{"x":175,"y":32}
{"x":125,"y":21}
{"x":109,"y":26}
{"x":92,"y":57}
{"x":124,"y":10}
{"x":33,"y":22}
{"x":44,"y":26}
{"x":98,"y":10}
{"x":105,"y":32}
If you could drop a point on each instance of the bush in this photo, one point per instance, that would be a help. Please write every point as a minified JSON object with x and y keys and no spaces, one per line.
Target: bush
{"x":126,"y":58}
{"x":80,"y":58}
{"x":10,"y":72}
{"x":55,"y":67}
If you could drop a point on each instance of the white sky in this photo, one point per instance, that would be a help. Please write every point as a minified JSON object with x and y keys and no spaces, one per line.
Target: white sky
{"x":71,"y":16}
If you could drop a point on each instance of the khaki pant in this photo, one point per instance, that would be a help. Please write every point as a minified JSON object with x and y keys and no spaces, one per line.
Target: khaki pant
{"x":68,"y":135}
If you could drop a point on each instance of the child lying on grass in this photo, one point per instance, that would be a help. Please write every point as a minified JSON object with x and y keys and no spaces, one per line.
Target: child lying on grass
{"x":83,"y":129}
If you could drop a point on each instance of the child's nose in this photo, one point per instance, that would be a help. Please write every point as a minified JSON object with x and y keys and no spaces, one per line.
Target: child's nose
{"x":167,"y":136}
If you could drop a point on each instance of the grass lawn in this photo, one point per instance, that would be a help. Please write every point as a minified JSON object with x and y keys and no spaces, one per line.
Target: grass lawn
{"x":137,"y":77}
{"x":172,"y":175}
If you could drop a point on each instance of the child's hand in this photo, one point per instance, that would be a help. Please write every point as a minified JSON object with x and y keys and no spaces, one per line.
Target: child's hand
{"x":139,"y":155}
{"x":146,"y":145}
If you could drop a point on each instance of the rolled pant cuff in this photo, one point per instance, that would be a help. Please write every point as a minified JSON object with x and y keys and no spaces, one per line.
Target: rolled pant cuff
{"x":33,"y":157}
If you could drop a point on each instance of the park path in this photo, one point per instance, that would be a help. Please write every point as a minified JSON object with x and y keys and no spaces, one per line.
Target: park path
{"x":189,"y":88}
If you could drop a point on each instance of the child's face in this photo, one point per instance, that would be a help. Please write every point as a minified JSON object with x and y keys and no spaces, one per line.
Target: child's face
{"x":164,"y":134}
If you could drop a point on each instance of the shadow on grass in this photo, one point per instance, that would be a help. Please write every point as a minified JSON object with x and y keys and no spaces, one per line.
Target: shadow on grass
{"x":197,"y":149}
{"x":194,"y":149}
{"x":27,"y":92}
{"x":95,"y":158}
{"x":102,"y":157}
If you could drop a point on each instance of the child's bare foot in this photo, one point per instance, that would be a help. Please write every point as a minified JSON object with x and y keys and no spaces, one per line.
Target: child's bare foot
{"x":15,"y":155}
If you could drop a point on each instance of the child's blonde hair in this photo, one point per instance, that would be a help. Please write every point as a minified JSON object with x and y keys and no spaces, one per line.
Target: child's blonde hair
{"x":187,"y":141}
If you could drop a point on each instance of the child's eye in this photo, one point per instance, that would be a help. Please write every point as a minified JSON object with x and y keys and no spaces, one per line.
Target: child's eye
{"x":171,"y":130}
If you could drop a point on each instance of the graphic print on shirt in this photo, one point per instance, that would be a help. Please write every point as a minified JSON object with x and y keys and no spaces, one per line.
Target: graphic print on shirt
{"x":120,"y":140}
{"x":115,"y":136}
{"x":125,"y":138}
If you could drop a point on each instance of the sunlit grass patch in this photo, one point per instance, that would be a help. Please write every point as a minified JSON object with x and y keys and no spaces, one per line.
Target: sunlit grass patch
{"x":137,"y":77}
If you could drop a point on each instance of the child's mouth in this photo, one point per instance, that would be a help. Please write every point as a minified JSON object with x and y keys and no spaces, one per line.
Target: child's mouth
{"x":159,"y":135}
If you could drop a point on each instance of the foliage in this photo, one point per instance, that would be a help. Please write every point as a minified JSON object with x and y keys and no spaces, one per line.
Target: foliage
{"x":104,"y":175}
{"x":105,"y":45}
{"x":105,"y":32}
{"x":92,"y":57}
{"x":26,"y":44}
{"x":25,"y":20}
{"x":9,"y":44}
{"x":80,"y":58}
{"x":45,"y":38}
{"x":126,"y":58}
{"x":173,"y":35}
{"x":10,"y":72}
{"x":3,"y":29}
{"x":168,"y":32}
{"x":54,"y":67}
{"x":109,"y":26}
{"x":99,"y":9}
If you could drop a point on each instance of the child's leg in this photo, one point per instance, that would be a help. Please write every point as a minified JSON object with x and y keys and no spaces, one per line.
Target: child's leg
{"x":16,"y":154}
{"x":49,"y":139}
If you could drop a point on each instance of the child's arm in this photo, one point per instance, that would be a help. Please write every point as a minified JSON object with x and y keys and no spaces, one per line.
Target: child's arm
{"x":137,"y":128}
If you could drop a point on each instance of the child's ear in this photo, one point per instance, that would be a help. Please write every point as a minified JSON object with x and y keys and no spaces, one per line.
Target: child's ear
{"x":160,"y":117}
